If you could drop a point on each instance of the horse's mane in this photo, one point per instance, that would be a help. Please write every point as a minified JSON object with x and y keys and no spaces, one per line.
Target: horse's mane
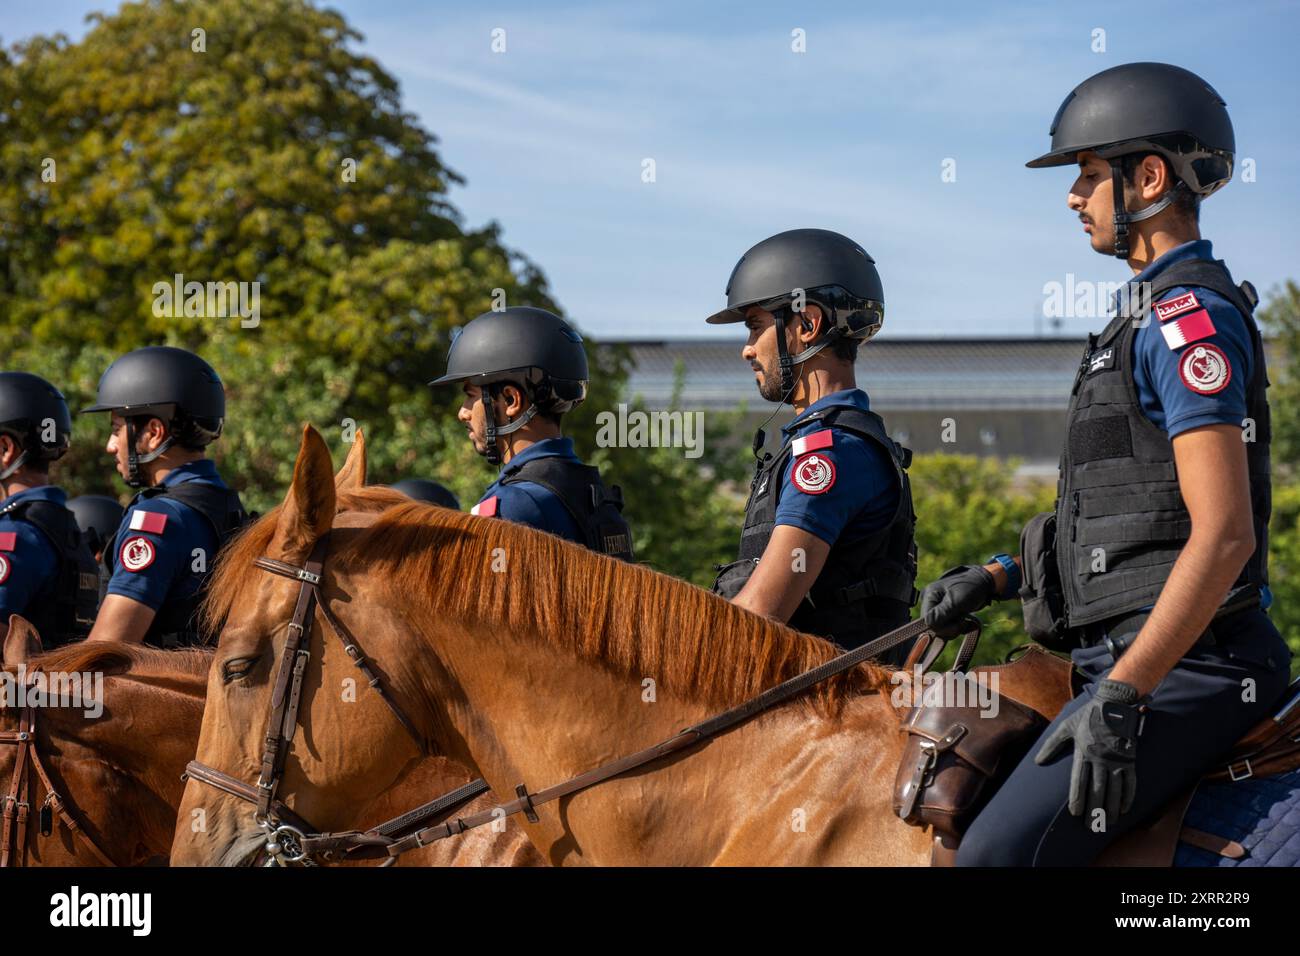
{"x":136,"y":660}
{"x":632,"y":620}
{"x":229,"y":578}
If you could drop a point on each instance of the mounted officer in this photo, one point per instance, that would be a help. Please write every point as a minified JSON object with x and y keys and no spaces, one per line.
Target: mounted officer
{"x":47,"y":574}
{"x":1153,"y":567}
{"x":827,"y":543}
{"x":167,"y":406}
{"x":422,"y":489}
{"x":521,"y":369}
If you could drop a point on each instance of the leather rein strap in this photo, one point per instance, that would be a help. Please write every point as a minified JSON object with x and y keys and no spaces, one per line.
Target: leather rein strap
{"x":785,"y":691}
{"x":383,"y":842}
{"x":290,"y":833}
{"x":17,"y":810}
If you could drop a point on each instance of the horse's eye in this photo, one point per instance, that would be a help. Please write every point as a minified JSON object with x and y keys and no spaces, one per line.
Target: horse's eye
{"x":238,"y":667}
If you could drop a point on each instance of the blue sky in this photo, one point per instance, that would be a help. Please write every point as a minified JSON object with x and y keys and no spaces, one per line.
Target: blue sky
{"x":750,"y":138}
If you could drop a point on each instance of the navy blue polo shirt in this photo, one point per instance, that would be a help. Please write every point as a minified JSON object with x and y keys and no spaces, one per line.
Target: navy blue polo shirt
{"x":29,"y":561}
{"x":164,"y":549}
{"x":528,"y":502}
{"x":846,"y":489}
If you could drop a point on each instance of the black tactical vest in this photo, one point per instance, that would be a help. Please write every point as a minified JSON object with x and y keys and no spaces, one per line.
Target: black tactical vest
{"x":76,"y":591}
{"x":175,"y":624}
{"x":1121,"y":521}
{"x":866,"y":588}
{"x":595,"y":509}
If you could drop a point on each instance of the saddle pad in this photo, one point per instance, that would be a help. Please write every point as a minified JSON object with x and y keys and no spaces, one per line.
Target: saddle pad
{"x":1260,"y":813}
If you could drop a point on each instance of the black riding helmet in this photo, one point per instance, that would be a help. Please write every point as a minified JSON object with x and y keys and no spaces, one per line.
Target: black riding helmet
{"x":98,"y":517}
{"x":35,"y":414}
{"x":531,"y":348}
{"x":1146,"y":108}
{"x":422,"y":489}
{"x":830,"y":269}
{"x":167,"y":383}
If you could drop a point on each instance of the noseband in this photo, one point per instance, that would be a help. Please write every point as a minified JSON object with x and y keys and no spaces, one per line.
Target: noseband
{"x":290,"y":838}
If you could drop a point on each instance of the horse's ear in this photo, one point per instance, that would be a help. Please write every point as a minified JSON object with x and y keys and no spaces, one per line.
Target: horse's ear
{"x":22,"y":643}
{"x":353,"y":473}
{"x":308,"y":510}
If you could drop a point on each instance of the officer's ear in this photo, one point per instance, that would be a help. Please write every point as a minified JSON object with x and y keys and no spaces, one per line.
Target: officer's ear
{"x":812,"y":322}
{"x":308,"y":509}
{"x":152,"y":428}
{"x":513,"y":400}
{"x":9,"y":450}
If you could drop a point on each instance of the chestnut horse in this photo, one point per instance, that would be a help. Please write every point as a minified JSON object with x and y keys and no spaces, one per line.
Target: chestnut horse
{"x":117,"y":774}
{"x":419,"y":782}
{"x":532,"y":659}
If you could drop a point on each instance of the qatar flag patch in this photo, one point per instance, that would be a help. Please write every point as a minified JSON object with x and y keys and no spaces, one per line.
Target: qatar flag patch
{"x":5,"y":567}
{"x":137,"y":554}
{"x":818,"y":439}
{"x":1176,"y":306}
{"x":8,"y":540}
{"x":1189,"y":328}
{"x":486,"y":508}
{"x":150,"y":522}
{"x":813,"y":474}
{"x":1205,"y":369}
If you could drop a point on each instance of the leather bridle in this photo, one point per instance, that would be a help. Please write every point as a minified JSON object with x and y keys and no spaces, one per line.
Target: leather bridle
{"x":17,"y":809}
{"x":290,"y":838}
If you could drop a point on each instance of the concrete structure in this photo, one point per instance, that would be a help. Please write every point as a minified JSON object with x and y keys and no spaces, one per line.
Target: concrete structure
{"x":1003,"y":397}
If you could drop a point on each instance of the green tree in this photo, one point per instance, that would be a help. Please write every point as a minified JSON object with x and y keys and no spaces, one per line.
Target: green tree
{"x":247,"y":141}
{"x":967,"y":509}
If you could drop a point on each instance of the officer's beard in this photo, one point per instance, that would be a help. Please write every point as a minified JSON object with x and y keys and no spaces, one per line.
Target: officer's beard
{"x":769,"y":386}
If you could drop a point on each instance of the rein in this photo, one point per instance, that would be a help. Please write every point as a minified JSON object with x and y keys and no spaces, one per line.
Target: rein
{"x":17,"y":810}
{"x":292,"y":840}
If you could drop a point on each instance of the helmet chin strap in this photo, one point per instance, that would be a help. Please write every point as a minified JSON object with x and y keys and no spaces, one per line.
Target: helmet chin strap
{"x":1123,"y":218}
{"x":787,"y":361}
{"x":134,"y":459}
{"x":493,"y":431}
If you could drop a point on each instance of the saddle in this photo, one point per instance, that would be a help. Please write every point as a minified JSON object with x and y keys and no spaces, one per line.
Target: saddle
{"x":955,"y":758}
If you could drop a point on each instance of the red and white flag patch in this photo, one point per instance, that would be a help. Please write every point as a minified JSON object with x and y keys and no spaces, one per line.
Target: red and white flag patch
{"x":1189,"y":328}
{"x":137,"y":554}
{"x":1177,"y":306}
{"x":818,"y":439}
{"x":486,"y":508}
{"x":813,"y":474}
{"x":1205,"y":369}
{"x":8,"y":540}
{"x":5,"y":567}
{"x":150,"y":522}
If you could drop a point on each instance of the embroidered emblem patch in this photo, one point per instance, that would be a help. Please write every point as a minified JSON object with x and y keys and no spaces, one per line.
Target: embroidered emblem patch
{"x":137,"y":554}
{"x":1100,"y":359}
{"x":813,"y":474}
{"x":1176,"y":306}
{"x":5,"y":567}
{"x":486,"y":508}
{"x":1205,"y":369}
{"x":148,"y":521}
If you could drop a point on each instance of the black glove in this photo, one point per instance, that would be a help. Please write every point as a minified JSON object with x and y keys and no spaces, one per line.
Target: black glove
{"x":1104,"y":734}
{"x":959,"y":592}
